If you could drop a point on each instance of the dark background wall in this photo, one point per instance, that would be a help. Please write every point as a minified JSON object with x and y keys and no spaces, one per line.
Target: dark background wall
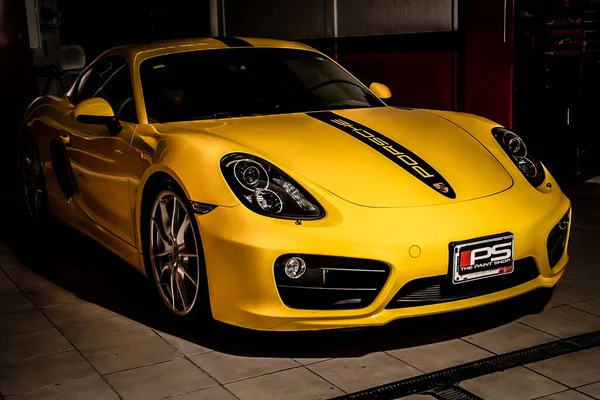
{"x":98,"y":26}
{"x":468,"y":55}
{"x":413,"y":46}
{"x":409,"y":45}
{"x":16,"y":85}
{"x":283,"y":19}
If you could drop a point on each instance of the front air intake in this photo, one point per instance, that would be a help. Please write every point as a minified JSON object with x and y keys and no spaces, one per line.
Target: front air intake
{"x":312,"y":282}
{"x":557,"y":240}
{"x":440,"y":289}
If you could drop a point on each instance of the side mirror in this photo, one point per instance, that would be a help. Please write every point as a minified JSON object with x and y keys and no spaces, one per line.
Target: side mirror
{"x":380,"y":90}
{"x":97,"y":111}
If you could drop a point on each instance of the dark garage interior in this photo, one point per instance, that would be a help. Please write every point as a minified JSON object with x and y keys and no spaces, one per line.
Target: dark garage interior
{"x":76,"y":322}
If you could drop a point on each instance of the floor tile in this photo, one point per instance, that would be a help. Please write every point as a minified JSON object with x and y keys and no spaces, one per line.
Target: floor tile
{"x":27,"y":279}
{"x":592,"y":390}
{"x":14,"y":302}
{"x":583,"y":252}
{"x":352,"y":374}
{"x":575,"y":267}
{"x":160,"y":380}
{"x":513,"y":384}
{"x":32,"y":344}
{"x":214,"y":393}
{"x":51,"y":296}
{"x":10,"y":263}
{"x":435,"y":356}
{"x":568,"y":291}
{"x":418,"y":397}
{"x":116,"y":343}
{"x":296,"y":383}
{"x":566,"y":395}
{"x":73,"y":313}
{"x":573,"y":369}
{"x":7,"y":286}
{"x":21,"y":322}
{"x":42,"y":371}
{"x":227,"y":368}
{"x":589,"y":278}
{"x":563,"y":321}
{"x":308,"y":361}
{"x":92,"y":388}
{"x":552,"y":303}
{"x":185,"y":347}
{"x":590,"y":306}
{"x":510,"y":337}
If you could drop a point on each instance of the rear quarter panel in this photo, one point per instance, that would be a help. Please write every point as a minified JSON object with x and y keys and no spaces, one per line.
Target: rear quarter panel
{"x":42,"y":121}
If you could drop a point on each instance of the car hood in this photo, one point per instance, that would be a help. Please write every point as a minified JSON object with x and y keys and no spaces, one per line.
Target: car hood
{"x":377,"y":157}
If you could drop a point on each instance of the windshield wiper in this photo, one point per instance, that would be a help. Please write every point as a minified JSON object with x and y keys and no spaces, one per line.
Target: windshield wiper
{"x":348,"y":106}
{"x":217,"y":115}
{"x":225,"y":114}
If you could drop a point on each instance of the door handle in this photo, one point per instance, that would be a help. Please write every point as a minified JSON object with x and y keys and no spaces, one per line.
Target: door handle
{"x":65,"y":138}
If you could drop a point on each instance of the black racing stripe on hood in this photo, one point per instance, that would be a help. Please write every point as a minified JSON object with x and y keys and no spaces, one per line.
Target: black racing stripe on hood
{"x":233,"y":41}
{"x":393,"y":151}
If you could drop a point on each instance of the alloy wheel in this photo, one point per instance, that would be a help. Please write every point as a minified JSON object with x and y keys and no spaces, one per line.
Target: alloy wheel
{"x":33,"y":180}
{"x":174,"y":253}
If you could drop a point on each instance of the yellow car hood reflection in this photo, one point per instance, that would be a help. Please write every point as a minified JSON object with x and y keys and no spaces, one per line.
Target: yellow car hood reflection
{"x":355,"y":171}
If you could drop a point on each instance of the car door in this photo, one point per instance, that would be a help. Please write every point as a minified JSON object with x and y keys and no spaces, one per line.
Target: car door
{"x":99,"y":159}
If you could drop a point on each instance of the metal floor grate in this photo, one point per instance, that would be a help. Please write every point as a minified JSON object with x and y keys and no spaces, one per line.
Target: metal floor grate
{"x":454,"y":393}
{"x":438,"y":381}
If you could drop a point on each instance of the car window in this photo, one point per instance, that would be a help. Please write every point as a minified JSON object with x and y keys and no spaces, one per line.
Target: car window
{"x":109,"y":79}
{"x":209,"y":84}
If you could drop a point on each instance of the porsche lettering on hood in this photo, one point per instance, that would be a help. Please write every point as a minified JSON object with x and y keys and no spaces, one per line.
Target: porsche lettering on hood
{"x":397,"y":153}
{"x":326,"y":155}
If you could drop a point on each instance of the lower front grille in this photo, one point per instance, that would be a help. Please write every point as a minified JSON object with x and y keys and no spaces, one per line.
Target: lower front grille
{"x":440,"y":289}
{"x":331,"y":283}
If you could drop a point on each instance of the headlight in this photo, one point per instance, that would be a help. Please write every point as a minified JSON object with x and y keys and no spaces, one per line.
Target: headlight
{"x":515,"y":147}
{"x":267,"y":190}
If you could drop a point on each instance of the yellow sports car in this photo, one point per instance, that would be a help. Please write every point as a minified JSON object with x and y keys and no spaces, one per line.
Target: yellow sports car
{"x":259,"y":182}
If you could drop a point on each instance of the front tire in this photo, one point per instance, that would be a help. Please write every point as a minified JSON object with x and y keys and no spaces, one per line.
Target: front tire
{"x":175,"y":258}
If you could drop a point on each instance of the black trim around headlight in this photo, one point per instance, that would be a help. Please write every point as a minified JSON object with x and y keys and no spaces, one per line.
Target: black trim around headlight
{"x":268,"y":191}
{"x":514,"y":146}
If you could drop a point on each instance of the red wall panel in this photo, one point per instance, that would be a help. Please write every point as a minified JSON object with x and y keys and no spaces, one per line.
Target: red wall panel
{"x":422,"y":80}
{"x":489,"y":59}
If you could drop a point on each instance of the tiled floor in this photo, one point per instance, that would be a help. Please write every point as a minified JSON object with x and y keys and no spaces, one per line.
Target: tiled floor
{"x":76,"y":323}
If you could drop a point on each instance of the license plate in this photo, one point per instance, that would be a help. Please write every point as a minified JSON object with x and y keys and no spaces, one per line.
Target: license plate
{"x":482,"y":258}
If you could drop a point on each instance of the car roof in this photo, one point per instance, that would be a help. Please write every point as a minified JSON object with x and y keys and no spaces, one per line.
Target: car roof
{"x":146,"y":50}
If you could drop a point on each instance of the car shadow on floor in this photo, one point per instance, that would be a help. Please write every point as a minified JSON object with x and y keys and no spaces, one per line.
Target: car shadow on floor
{"x":84,"y":268}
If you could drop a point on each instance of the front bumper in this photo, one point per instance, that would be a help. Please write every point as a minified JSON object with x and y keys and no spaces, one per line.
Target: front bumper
{"x":241,"y":248}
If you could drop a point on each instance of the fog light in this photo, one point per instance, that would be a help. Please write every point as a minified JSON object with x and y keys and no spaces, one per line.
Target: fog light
{"x":294,"y":267}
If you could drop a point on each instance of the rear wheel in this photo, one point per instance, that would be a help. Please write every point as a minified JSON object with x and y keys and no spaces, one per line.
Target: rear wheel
{"x":175,"y":255}
{"x":32,"y":178}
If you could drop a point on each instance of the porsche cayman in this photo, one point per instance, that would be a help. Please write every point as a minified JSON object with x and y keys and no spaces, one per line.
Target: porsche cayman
{"x":261,"y":183}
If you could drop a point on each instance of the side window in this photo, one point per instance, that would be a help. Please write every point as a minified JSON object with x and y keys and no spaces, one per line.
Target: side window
{"x":87,"y":85}
{"x":110,"y":79}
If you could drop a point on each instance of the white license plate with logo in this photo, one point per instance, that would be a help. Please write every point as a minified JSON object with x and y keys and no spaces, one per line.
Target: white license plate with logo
{"x":482,"y":258}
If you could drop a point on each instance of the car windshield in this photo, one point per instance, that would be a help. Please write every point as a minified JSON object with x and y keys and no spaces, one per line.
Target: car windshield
{"x":223,"y":83}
